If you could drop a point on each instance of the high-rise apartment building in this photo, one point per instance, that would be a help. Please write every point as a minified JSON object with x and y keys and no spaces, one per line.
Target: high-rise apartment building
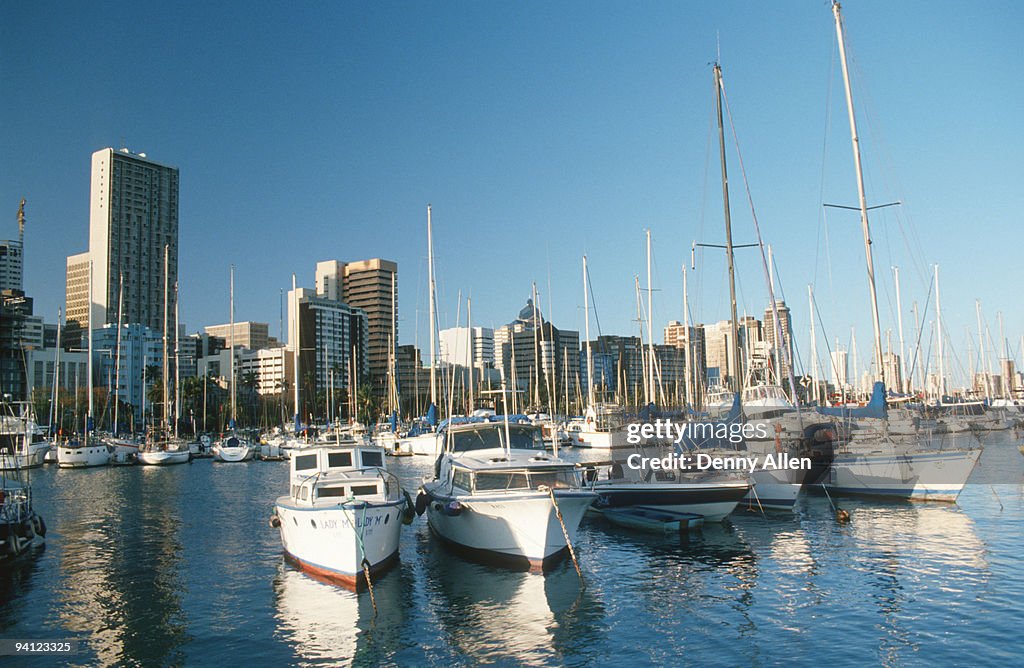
{"x":76,"y":310}
{"x":370,"y":285}
{"x":133,"y":216}
{"x":780,"y":341}
{"x":332,"y":340}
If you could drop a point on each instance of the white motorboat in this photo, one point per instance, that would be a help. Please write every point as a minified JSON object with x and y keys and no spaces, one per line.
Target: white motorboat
{"x":22,"y":444}
{"x":233,"y":449}
{"x":343,"y":514}
{"x":497,"y":495}
{"x":627,"y":482}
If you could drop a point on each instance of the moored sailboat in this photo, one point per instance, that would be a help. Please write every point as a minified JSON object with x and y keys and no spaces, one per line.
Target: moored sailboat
{"x":884,"y":466}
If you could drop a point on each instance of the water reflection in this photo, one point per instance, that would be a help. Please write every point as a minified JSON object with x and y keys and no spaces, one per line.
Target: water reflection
{"x":16,"y":580}
{"x":489,"y":614}
{"x":327,"y":624}
{"x":120,"y":562}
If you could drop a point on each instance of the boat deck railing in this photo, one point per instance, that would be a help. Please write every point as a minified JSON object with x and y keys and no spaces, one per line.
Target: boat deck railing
{"x":389,"y":479}
{"x":15,"y":504}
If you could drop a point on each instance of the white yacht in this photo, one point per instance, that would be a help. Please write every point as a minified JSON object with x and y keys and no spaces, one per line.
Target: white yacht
{"x":497,"y":495}
{"x":22,"y":443}
{"x":233,"y":448}
{"x":343,"y":513}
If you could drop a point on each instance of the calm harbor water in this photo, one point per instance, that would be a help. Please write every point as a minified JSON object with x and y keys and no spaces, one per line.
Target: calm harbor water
{"x":177,"y":565}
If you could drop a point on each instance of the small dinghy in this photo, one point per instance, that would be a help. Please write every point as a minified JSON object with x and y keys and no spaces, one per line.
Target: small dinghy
{"x":652,"y":519}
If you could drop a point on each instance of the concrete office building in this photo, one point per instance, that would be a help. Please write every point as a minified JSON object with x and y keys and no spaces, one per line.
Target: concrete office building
{"x":371,"y":286}
{"x":251,"y":335}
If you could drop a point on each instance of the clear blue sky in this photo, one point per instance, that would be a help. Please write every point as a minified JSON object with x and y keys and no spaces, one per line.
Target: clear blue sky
{"x":538,"y":131}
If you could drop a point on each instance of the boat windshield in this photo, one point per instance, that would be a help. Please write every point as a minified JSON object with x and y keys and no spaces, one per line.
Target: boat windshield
{"x":492,"y":436}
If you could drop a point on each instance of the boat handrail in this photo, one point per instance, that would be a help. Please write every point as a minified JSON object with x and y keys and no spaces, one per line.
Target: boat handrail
{"x":387,"y":477}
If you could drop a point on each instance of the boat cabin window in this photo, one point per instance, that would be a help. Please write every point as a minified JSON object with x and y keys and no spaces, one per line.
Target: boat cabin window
{"x":321,"y":492}
{"x":371,"y":458}
{"x":305,"y":462}
{"x":364,"y":490}
{"x":339,"y":459}
{"x":463,"y":479}
{"x":501,"y":480}
{"x":553,"y":479}
{"x":493,"y":480}
{"x":524,"y":437}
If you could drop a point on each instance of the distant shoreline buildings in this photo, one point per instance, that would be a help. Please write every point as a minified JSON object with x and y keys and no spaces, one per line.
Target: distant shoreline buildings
{"x":344,"y":333}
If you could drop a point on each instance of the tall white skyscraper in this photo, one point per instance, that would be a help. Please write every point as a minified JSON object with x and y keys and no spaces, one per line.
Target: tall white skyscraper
{"x":133,"y":214}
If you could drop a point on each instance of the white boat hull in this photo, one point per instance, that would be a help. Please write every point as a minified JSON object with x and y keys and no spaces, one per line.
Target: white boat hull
{"x":773,"y":490}
{"x":424,"y":444}
{"x":164,"y":457}
{"x":515,"y":528}
{"x":35,"y":456}
{"x":331,"y":543}
{"x":232,"y":454}
{"x":83,"y":457}
{"x":926,"y":475}
{"x":712,"y":500}
{"x":271,"y":452}
{"x":599,"y":440}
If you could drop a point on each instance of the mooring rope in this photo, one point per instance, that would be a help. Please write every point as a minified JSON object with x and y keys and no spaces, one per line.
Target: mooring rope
{"x":362,"y":548}
{"x":565,"y":532}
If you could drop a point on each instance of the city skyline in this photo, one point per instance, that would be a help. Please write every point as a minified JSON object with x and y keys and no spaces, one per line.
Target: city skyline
{"x":558,"y":137}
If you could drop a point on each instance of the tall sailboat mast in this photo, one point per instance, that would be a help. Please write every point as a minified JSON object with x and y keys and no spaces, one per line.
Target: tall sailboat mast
{"x":177,"y":366}
{"x":117,"y":351}
{"x":939,"y":336}
{"x":88,"y":372}
{"x":650,"y":321}
{"x":433,"y":324}
{"x":735,"y":379}
{"x":586,"y":334}
{"x":877,"y":356}
{"x":231,"y":338}
{"x":295,"y":351}
{"x":686,"y":337}
{"x":55,"y":413}
{"x":165,"y":369}
{"x":904,"y":382}
{"x":470,"y":354}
